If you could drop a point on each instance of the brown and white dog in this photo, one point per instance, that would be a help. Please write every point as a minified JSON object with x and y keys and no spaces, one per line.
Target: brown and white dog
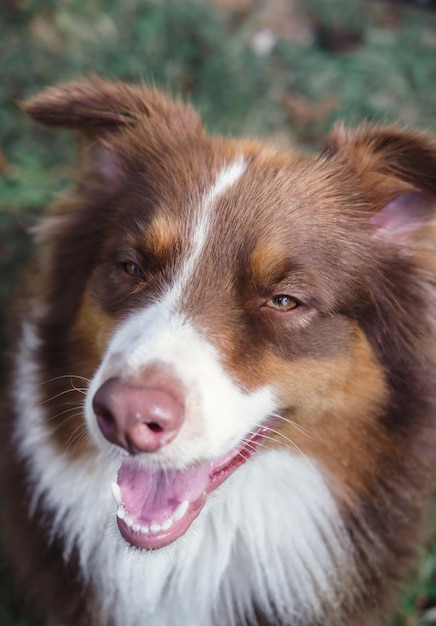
{"x":238,"y":341}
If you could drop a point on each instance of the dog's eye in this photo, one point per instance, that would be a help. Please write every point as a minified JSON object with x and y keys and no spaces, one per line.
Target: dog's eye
{"x":282,"y":303}
{"x":132,"y":269}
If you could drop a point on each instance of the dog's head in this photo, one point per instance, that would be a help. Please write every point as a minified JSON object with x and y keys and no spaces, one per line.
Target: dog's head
{"x":224,"y":297}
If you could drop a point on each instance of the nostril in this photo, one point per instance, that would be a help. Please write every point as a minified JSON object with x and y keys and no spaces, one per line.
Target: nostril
{"x":155,"y":427}
{"x":105,"y":421}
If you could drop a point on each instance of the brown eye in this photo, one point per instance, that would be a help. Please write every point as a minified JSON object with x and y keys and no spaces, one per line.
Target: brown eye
{"x":282,"y":303}
{"x":133,"y":269}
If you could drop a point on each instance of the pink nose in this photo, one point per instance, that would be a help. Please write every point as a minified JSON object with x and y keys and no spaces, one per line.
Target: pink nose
{"x":136,"y":418}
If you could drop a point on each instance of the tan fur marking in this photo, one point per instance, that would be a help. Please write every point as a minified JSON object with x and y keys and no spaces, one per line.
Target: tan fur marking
{"x":94,"y":328}
{"x":89,"y":338}
{"x":267,"y":263}
{"x":330,"y":407}
{"x":162,"y":236}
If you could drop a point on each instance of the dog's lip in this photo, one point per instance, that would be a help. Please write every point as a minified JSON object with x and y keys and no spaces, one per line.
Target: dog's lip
{"x":209,"y":477}
{"x":221,"y":468}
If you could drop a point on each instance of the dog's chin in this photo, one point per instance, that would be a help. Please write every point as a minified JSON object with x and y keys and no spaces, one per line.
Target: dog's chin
{"x":156,"y":506}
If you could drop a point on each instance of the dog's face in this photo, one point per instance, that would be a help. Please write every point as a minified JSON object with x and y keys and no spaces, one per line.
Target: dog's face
{"x":221,"y":328}
{"x":226,"y":298}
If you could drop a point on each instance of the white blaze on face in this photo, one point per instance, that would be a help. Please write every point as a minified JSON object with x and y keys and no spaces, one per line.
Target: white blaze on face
{"x":218,"y":414}
{"x":203,"y":220}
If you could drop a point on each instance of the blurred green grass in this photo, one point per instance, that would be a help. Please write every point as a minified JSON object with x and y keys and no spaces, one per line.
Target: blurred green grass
{"x":343,"y":59}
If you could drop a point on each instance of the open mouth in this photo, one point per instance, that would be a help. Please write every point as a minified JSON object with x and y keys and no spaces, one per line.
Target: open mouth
{"x":156,"y":506}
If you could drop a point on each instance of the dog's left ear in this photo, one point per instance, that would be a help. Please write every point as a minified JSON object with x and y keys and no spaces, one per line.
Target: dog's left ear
{"x":398,"y":169}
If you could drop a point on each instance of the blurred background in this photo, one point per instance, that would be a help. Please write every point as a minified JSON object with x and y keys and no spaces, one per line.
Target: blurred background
{"x":284,"y":70}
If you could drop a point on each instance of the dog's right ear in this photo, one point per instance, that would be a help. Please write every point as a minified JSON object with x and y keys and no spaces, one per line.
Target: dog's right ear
{"x":90,"y":104}
{"x":95,"y":109}
{"x":98,"y":110}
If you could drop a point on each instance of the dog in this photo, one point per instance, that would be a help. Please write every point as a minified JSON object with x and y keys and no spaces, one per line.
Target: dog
{"x":220,"y":408}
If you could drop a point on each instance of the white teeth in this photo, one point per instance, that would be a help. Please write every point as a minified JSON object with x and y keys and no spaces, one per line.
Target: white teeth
{"x":128,"y":521}
{"x":166,"y":525}
{"x":116,"y":492}
{"x":155,"y":526}
{"x":180,"y":511}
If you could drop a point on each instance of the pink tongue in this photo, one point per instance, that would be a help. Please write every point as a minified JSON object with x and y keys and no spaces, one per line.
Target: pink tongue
{"x":153,"y":494}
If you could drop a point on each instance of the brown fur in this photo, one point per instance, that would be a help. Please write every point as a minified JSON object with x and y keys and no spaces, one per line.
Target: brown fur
{"x":354,"y":365}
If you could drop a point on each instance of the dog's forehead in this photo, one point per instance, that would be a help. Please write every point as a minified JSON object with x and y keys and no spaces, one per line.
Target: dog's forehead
{"x":212,"y":193}
{"x":218,"y":219}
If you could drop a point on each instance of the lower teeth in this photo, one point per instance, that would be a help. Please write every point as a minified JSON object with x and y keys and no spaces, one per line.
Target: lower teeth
{"x":154,"y":527}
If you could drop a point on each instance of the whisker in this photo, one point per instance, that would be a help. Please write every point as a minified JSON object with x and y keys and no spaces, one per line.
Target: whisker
{"x":77,"y":437}
{"x":50,"y":380}
{"x":249,"y":444}
{"x":295,"y":425}
{"x":66,"y":420}
{"x":295,"y":447}
{"x":249,"y":447}
{"x":63,"y":393}
{"x":75,"y":407}
{"x":241,"y":455}
{"x":289,"y":443}
{"x":82,"y":390}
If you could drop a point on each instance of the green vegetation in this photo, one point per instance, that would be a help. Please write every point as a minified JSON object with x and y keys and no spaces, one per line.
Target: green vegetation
{"x":282,"y":69}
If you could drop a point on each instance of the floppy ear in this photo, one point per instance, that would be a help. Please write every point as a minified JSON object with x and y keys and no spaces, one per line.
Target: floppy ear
{"x":99,"y":110}
{"x":398,"y":169}
{"x":93,"y":104}
{"x":95,"y":109}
